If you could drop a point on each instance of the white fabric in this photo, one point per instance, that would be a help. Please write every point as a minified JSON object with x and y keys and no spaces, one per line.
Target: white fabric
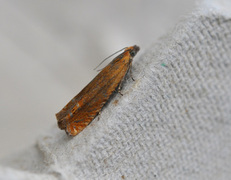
{"x":49,"y":49}
{"x":173,"y":122}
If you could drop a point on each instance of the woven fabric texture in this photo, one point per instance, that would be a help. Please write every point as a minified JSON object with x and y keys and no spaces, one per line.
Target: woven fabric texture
{"x":172,"y":122}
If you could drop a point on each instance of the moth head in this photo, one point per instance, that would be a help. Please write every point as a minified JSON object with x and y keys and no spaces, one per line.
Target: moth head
{"x":133,"y":50}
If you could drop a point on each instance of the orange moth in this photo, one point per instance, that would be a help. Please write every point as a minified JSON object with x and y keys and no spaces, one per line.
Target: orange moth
{"x":85,"y":106}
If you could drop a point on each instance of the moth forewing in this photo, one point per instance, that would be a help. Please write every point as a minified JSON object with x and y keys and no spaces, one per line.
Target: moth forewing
{"x":83,"y":108}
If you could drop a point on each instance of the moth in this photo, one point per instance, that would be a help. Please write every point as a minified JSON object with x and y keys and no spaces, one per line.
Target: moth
{"x":86,"y":105}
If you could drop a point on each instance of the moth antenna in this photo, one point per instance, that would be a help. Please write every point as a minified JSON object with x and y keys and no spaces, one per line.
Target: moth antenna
{"x":109,"y":57}
{"x":99,"y":70}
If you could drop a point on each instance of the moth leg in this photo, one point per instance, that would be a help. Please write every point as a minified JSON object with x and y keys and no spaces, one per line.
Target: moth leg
{"x":130,"y":71}
{"x":120,"y":85}
{"x":119,"y":88}
{"x":98,"y":116}
{"x":120,"y":92}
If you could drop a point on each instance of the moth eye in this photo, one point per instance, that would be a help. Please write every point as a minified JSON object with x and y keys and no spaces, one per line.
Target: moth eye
{"x":132,"y":53}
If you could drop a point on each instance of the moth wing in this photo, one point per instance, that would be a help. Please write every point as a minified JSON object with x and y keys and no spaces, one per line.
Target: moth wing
{"x":92,"y":89}
{"x":75,"y":128}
